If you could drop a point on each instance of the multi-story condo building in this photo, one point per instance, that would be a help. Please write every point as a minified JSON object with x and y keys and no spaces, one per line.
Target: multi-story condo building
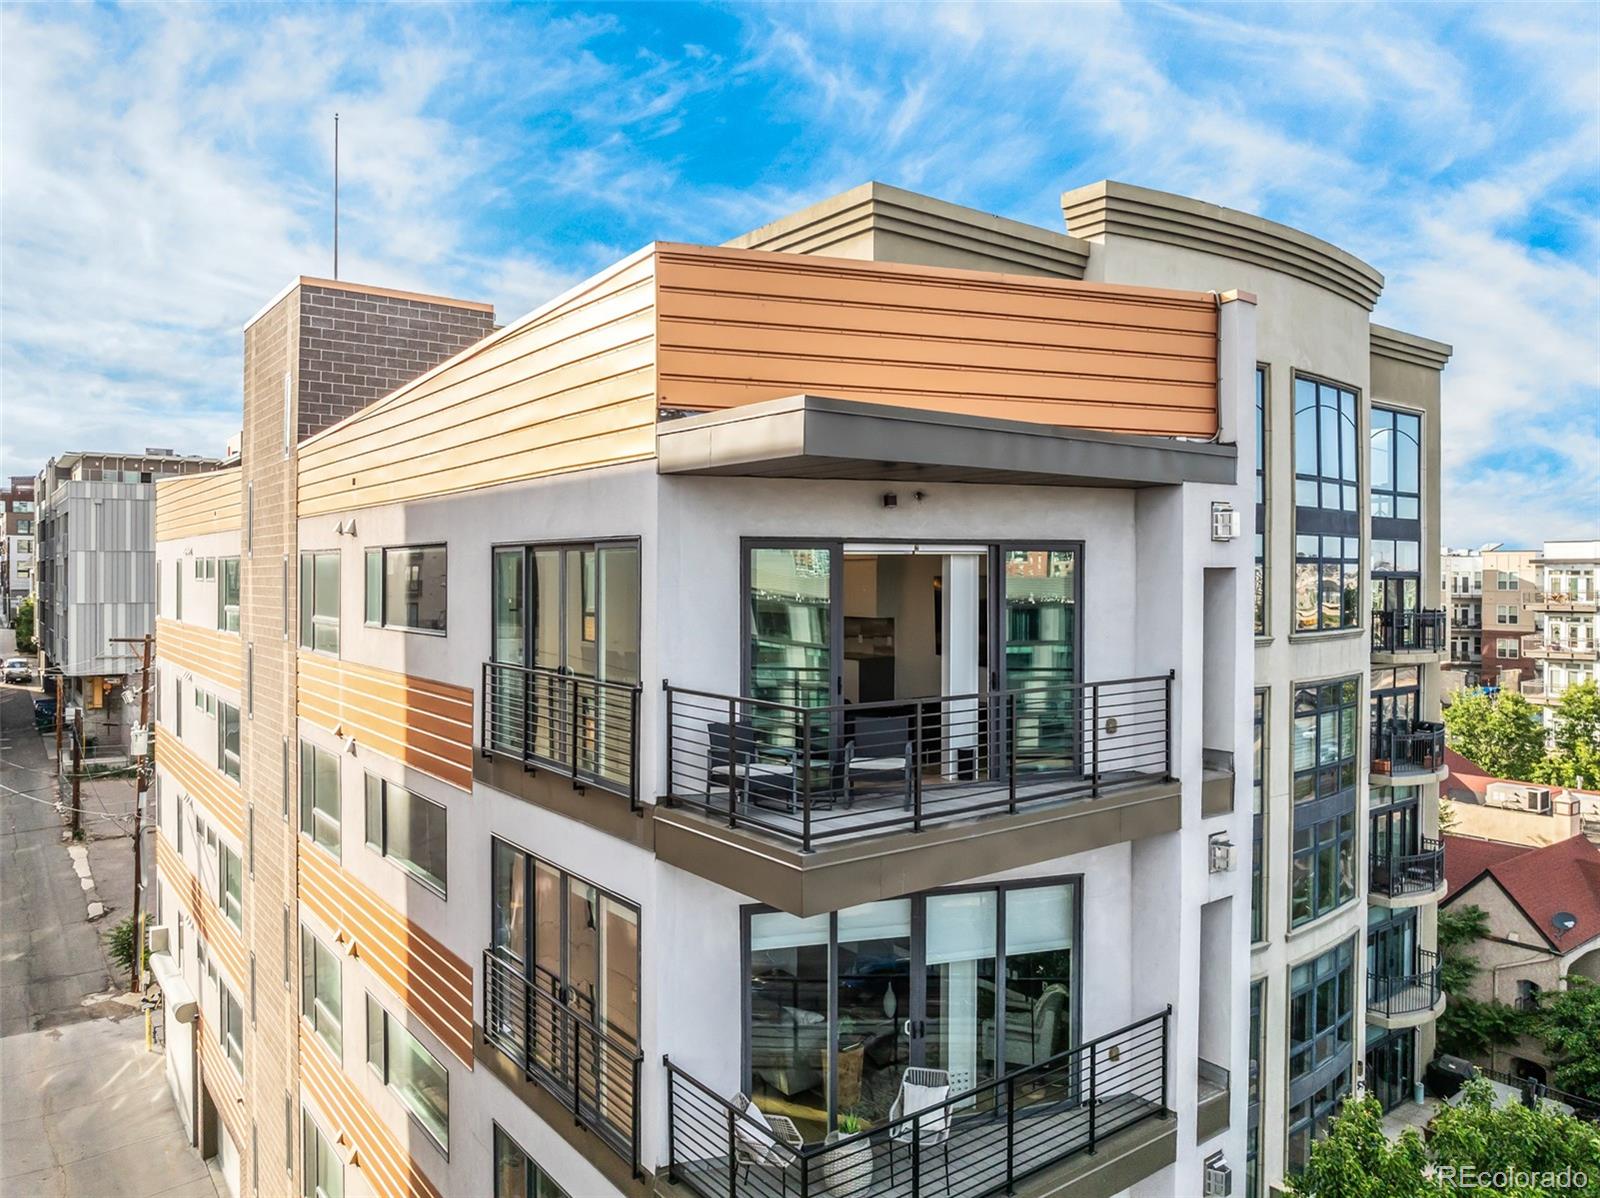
{"x":766,"y":721}
{"x":95,"y":576}
{"x":16,"y":544}
{"x":1488,"y":597}
{"x":1564,"y":647}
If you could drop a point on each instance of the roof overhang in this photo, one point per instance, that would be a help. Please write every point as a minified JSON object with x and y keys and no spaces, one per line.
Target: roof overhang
{"x":812,"y":436}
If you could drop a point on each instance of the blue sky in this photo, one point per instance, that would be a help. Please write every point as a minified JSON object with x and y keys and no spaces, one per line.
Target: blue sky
{"x":166,"y":171}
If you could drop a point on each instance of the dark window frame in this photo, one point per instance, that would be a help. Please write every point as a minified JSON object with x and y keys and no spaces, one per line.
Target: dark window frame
{"x":377,"y":616}
{"x":1327,"y":537}
{"x":1324,"y":795}
{"x":376,"y":793}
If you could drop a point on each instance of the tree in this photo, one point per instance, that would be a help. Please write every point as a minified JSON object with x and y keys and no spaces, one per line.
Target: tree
{"x":1468,"y":1027}
{"x":1500,"y":733}
{"x":1575,"y":759}
{"x":24,"y":626}
{"x":1568,"y":1024}
{"x":1356,"y":1160}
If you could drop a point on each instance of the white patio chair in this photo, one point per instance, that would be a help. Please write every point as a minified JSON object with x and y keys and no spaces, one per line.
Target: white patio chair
{"x":921,"y":1090}
{"x":778,"y":1149}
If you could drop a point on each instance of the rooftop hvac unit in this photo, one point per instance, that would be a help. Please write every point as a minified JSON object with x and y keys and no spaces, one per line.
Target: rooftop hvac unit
{"x":1537,"y":799}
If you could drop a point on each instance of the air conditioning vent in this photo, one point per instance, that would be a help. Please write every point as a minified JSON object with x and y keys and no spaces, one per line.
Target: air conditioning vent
{"x":1224,"y":522}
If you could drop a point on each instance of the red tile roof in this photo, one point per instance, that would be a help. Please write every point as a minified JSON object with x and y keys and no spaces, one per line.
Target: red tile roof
{"x":1467,"y":782}
{"x":1559,"y":877}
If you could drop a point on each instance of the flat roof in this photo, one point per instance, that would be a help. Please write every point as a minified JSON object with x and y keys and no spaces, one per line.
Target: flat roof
{"x":815,"y":436}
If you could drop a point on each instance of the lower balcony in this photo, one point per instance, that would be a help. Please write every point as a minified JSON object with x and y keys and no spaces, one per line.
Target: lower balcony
{"x":1405,"y":875}
{"x":1103,"y":1104}
{"x":1407,"y":632}
{"x":589,"y":1070}
{"x":571,"y":725}
{"x":1407,"y":751}
{"x":1406,"y":999}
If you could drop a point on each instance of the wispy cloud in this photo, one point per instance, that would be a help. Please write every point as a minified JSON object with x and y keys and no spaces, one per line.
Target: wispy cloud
{"x":167,"y":168}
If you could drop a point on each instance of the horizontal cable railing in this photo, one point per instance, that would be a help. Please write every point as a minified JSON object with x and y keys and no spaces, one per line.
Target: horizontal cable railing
{"x":814,"y":774}
{"x":591,"y":1070}
{"x":1394,"y":874}
{"x":1408,"y":631}
{"x":581,"y":727}
{"x":1405,"y":993}
{"x":1584,"y":1108}
{"x":980,"y":1141}
{"x":1408,"y":747}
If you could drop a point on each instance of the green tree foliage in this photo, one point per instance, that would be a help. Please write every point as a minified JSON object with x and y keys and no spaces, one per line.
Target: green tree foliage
{"x":1568,"y":1024}
{"x":1468,"y":1028}
{"x":1576,"y":739}
{"x":1464,"y":1142}
{"x":1499,"y":733}
{"x":23,"y":624}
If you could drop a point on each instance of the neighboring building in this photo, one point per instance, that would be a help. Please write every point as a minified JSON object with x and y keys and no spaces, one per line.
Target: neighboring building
{"x":1499,"y":588}
{"x":17,"y":518}
{"x":1564,"y":648}
{"x":1461,"y":588}
{"x":95,"y":576}
{"x":1525,"y":813}
{"x":859,"y":692}
{"x":1543,"y":908}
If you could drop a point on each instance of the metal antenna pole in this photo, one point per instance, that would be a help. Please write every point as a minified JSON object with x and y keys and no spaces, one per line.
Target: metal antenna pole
{"x":336,"y":195}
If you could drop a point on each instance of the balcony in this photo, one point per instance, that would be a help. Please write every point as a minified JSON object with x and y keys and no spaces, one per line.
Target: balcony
{"x":1560,"y":603}
{"x":1410,"y":750}
{"x":1533,"y":688}
{"x":1400,"y":875}
{"x":589,"y":1070}
{"x":1401,"y":632}
{"x":579,"y":728}
{"x":1558,"y":648}
{"x":932,"y":790}
{"x":1406,"y":999}
{"x":1047,"y":1117}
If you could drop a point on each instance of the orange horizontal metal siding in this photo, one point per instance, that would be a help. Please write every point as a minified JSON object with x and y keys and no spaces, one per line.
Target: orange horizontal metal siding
{"x":739,"y":326}
{"x":220,"y":795}
{"x":223,"y":938}
{"x":213,"y":654}
{"x":199,"y":503}
{"x":433,"y":982}
{"x":426,"y":724}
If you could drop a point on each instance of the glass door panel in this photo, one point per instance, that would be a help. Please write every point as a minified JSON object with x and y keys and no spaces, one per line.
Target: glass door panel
{"x":791,"y":615}
{"x":545,"y":975}
{"x":874,"y":1004}
{"x":959,"y":991}
{"x":1039,"y":1015}
{"x":1039,"y":623}
{"x":789,"y":1018}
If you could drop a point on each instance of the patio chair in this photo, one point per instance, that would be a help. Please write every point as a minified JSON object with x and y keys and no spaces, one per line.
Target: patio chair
{"x":733,"y":756}
{"x":921,"y":1090}
{"x":879,"y":750}
{"x":778,"y":1149}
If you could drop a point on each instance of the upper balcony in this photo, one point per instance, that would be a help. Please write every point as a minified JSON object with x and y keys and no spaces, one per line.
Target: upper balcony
{"x":1409,"y":633}
{"x":1559,"y":648}
{"x":1399,"y":878}
{"x":981,"y":782}
{"x":1405,"y":998}
{"x":1406,"y":752}
{"x":1564,"y":603}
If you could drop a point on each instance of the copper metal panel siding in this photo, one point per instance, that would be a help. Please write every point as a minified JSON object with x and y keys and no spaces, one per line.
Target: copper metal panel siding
{"x":199,"y":503}
{"x":570,"y":388}
{"x":739,"y":326}
{"x":217,"y":656}
{"x":219,"y":794}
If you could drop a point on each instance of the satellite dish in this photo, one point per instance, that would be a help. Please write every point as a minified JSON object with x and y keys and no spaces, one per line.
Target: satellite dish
{"x":1564,"y":921}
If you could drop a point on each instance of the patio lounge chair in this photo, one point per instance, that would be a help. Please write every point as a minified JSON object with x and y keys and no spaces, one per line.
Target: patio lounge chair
{"x":767,"y":1141}
{"x":921,"y":1090}
{"x":879,"y":750}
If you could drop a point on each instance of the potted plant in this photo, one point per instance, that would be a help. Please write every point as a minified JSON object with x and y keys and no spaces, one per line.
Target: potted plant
{"x":848,"y":1170}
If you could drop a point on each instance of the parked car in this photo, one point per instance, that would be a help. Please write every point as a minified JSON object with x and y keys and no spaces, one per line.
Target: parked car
{"x":19,"y":669}
{"x":44,"y":710}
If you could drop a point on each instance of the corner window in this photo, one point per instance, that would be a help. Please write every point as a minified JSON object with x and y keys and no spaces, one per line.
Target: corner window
{"x":319,"y":601}
{"x":321,"y":999}
{"x":227,"y":738}
{"x":406,"y":588}
{"x":1327,"y":473}
{"x":228,"y":594}
{"x":1321,"y":1010}
{"x":319,"y":796}
{"x":1325,"y":761}
{"x":408,"y":829}
{"x":415,"y":1075}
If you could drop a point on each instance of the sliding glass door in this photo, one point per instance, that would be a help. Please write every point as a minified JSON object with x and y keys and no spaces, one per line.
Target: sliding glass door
{"x":1038,"y":606}
{"x":792,"y":615}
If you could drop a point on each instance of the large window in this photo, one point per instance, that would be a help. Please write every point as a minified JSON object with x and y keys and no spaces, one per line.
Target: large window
{"x":1396,"y":552}
{"x":228,"y":739}
{"x":319,"y":601}
{"x":406,"y":588}
{"x":319,"y":796}
{"x":230,"y":1028}
{"x":1309,"y":1119}
{"x":321,"y":996}
{"x":1321,"y":1011}
{"x":1258,"y":1052}
{"x":229,"y":891}
{"x":321,"y":1171}
{"x":1258,"y":865}
{"x":1327,"y":524}
{"x":571,"y":607}
{"x":1261,"y":501}
{"x":978,"y":982}
{"x":516,"y":1174}
{"x":411,"y":1071}
{"x":228,"y":594}
{"x":1325,"y":761}
{"x":408,"y":829}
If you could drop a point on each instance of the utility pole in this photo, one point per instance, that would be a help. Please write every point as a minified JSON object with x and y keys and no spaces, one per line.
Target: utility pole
{"x":77,"y":771}
{"x":60,"y":715}
{"x":138,"y":802}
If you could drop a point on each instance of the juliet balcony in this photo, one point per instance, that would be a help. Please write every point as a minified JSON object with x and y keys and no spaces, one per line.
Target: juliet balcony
{"x":946,"y":786}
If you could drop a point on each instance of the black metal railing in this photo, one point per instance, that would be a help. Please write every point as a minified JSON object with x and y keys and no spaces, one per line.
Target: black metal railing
{"x":1394,"y":874}
{"x":1410,"y":631}
{"x":1405,"y":993}
{"x":1403,"y":747}
{"x":1583,"y":1108}
{"x":591,"y":1070}
{"x":980,"y":1141}
{"x":813,"y":774}
{"x":581,"y":727}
